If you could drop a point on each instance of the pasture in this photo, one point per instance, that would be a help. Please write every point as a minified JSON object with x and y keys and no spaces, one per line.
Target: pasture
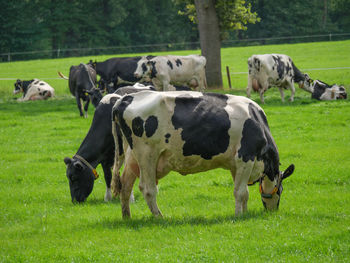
{"x":38,"y":222}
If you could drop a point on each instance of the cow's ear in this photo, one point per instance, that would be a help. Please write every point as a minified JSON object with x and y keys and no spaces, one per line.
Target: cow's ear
{"x":288,"y":172}
{"x":67,"y":160}
{"x":78,"y":165}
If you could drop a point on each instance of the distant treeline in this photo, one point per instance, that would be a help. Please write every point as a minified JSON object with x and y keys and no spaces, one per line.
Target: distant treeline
{"x":46,"y":25}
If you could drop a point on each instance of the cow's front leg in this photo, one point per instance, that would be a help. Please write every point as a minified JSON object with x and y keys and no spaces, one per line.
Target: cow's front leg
{"x":108,"y":177}
{"x":261,"y":93}
{"x":292,"y":92}
{"x":86,"y":106}
{"x":148,"y":187}
{"x":79,"y":105}
{"x":241,"y":193}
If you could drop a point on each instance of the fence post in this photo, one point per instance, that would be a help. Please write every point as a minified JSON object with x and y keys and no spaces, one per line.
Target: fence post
{"x":58,"y":52}
{"x":9,"y":57}
{"x":228,"y":77}
{"x":330,"y":36}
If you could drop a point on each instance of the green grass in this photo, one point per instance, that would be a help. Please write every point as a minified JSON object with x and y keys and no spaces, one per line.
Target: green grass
{"x":38,"y":222}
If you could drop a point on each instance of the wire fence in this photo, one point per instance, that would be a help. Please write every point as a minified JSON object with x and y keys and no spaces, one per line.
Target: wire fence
{"x":90,"y":51}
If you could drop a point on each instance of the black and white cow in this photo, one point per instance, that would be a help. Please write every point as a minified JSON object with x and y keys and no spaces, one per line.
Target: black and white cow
{"x":323,"y":91}
{"x":116,"y":72}
{"x":265,"y":71}
{"x":82,"y":85}
{"x":176,"y":70}
{"x":96,"y":148}
{"x":192,"y":132}
{"x":33,"y":90}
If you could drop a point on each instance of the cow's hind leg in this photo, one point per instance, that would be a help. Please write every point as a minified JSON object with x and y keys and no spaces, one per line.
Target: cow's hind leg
{"x":282,"y":93}
{"x":241,"y":178}
{"x":127,"y":181}
{"x":148,"y":185}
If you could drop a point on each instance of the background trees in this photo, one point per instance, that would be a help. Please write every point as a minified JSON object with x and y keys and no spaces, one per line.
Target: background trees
{"x":45,"y":25}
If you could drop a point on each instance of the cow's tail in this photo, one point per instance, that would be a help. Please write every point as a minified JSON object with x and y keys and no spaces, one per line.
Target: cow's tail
{"x":62,"y":76}
{"x":119,"y":156}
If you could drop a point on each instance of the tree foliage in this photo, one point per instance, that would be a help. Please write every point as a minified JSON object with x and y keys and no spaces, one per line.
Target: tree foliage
{"x":232,"y":14}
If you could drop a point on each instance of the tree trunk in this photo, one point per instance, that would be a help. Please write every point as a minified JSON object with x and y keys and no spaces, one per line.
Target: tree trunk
{"x":209,"y":35}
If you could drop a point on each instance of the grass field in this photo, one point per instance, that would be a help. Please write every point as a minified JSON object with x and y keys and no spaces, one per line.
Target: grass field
{"x":38,"y":222}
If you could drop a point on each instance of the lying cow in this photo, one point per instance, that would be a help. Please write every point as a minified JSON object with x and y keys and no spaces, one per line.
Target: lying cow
{"x":277,"y":70}
{"x":323,"y":91}
{"x":33,"y":90}
{"x":116,"y":72}
{"x":82,"y":85}
{"x":96,"y":148}
{"x":176,"y":70}
{"x":191,"y":132}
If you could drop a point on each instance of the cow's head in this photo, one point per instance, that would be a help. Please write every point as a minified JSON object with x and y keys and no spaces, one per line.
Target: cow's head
{"x":144,"y":68}
{"x":18,"y":86}
{"x":95,"y":96}
{"x":271,"y":191}
{"x":81,"y":179}
{"x":306,"y":84}
{"x":338,"y":92}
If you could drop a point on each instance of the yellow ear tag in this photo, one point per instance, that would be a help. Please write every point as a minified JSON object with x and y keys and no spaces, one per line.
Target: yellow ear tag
{"x":95,"y":173}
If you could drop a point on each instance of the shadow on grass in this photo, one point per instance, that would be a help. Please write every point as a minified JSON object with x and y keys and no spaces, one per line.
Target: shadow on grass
{"x":165,"y":222}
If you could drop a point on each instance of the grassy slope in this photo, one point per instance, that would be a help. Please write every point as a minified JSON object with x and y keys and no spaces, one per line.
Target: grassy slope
{"x":39,"y":223}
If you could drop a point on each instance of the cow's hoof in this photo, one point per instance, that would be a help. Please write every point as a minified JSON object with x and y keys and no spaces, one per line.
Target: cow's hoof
{"x":108,"y":196}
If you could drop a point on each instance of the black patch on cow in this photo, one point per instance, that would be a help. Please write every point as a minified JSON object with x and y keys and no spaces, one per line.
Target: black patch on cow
{"x":126,"y":101}
{"x":178,"y":62}
{"x":319,"y":89}
{"x":257,"y":142}
{"x":120,"y":139}
{"x":153,"y":69}
{"x":151,"y":125}
{"x":170,"y":64}
{"x":42,"y":84}
{"x":297,"y":76}
{"x":36,"y":82}
{"x":137,"y":126}
{"x":167,"y":136}
{"x":204,"y":123}
{"x":144,"y":68}
{"x":113,"y":100}
{"x":280,"y":66}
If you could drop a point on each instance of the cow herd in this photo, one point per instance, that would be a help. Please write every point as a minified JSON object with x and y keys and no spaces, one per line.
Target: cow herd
{"x":152,"y":122}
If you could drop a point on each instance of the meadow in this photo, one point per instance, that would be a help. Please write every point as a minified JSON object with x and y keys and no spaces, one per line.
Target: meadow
{"x":39,"y":223}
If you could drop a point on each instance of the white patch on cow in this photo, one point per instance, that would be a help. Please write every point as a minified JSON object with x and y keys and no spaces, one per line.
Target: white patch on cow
{"x":138,"y":85}
{"x":107,"y":99}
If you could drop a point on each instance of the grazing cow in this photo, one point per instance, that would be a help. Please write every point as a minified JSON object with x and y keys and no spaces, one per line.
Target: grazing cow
{"x":323,"y":91}
{"x":97,"y":148}
{"x":33,"y":90}
{"x":116,"y":72}
{"x":270,"y":70}
{"x":176,"y":70}
{"x":82,"y":85}
{"x":191,"y":132}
